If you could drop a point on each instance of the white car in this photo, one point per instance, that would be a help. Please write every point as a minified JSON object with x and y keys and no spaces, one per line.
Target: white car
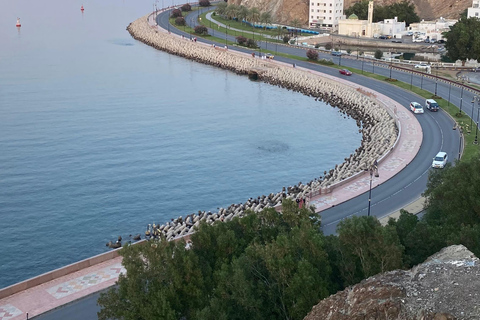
{"x":422,"y":66}
{"x":416,"y":107}
{"x":440,"y":160}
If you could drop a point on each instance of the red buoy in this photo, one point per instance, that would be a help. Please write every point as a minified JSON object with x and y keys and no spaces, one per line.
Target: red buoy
{"x":18,"y":23}
{"x":82,"y":8}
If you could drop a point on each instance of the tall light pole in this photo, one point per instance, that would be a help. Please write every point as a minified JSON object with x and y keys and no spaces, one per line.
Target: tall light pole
{"x":373,"y":170}
{"x":390,"y":64}
{"x":461,"y":99}
{"x":476,"y":129}
{"x":473,"y":106}
{"x":436,"y":78}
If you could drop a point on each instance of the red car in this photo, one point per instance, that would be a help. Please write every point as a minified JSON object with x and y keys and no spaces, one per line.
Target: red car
{"x":345,"y":72}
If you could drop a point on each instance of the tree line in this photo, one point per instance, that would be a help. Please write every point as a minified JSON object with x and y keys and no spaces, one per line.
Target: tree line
{"x":405,"y":11}
{"x":271,"y":265}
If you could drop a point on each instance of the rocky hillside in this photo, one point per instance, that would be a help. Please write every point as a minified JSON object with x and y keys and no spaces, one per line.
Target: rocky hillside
{"x":284,"y":11}
{"x":445,"y":287}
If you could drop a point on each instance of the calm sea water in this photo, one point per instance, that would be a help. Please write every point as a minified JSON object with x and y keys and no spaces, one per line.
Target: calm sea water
{"x":101,"y":135}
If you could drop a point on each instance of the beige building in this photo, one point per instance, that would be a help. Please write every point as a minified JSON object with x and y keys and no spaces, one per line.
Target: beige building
{"x":354,"y":27}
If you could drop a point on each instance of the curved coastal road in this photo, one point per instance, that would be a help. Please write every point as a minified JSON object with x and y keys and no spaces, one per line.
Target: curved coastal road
{"x":408,"y":184}
{"x":390,"y":196}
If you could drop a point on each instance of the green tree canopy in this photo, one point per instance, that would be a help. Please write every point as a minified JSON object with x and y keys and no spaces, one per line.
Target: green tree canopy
{"x":404,"y":11}
{"x":463,"y":40}
{"x":267,"y":265}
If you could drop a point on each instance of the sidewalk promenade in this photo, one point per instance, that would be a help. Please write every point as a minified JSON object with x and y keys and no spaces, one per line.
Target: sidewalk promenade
{"x":60,"y":291}
{"x":64,"y":289}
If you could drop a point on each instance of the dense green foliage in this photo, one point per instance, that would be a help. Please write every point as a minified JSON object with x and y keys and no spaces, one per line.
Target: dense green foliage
{"x":405,"y":11}
{"x":176,"y":13}
{"x":312,"y":54}
{"x":378,"y":54}
{"x":180,"y":21}
{"x":202,"y":30}
{"x":186,"y":7}
{"x":272,"y":265}
{"x":463,"y":40}
{"x":204,"y":3}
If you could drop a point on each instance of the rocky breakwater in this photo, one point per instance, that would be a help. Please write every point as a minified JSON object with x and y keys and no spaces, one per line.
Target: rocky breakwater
{"x":379,"y":131}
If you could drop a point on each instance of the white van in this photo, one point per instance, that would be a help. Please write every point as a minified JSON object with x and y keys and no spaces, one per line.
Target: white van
{"x":431,"y":105}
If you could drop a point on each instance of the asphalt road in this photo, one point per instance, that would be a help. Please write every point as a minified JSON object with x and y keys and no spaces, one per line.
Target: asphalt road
{"x":393,"y":194}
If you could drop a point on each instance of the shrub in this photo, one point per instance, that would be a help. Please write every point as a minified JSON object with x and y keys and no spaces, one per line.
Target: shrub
{"x":241,"y":40}
{"x":186,"y":7}
{"x":408,"y":55}
{"x":349,"y":51}
{"x":201,"y":30}
{"x":328,"y":46}
{"x":251,"y":43}
{"x":312,"y":54}
{"x":292,"y":41}
{"x":317,"y":45}
{"x":176,"y":13}
{"x":204,"y":3}
{"x":378,"y":54}
{"x":286,"y":39}
{"x":180,"y":21}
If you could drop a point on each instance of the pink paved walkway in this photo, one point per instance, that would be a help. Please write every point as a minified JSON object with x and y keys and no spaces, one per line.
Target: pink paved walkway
{"x":60,"y":291}
{"x":73,"y":286}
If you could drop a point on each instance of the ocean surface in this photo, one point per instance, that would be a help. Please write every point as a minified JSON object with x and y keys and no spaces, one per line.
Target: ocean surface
{"x":101,"y":135}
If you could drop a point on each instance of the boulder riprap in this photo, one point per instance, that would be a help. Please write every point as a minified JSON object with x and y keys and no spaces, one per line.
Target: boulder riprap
{"x":378,"y":128}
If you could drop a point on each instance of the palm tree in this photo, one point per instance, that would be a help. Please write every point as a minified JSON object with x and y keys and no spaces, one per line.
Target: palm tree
{"x":231,"y":11}
{"x":296,"y":24}
{"x":254,"y":15}
{"x":266,"y":18}
{"x":221,"y":8}
{"x":242,"y":13}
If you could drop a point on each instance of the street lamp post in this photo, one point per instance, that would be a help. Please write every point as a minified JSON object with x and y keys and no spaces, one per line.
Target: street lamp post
{"x":473,"y":106}
{"x":390,"y":64}
{"x":373,"y":170}
{"x":476,"y":129}
{"x":436,"y":78}
{"x":461,"y":99}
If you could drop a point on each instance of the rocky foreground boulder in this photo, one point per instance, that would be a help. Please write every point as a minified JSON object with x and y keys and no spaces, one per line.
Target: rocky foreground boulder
{"x":445,"y":287}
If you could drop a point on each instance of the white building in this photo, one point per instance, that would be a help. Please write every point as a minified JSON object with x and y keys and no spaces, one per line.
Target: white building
{"x":431,"y":29}
{"x":354,"y":27}
{"x":325,"y":14}
{"x":474,"y":10}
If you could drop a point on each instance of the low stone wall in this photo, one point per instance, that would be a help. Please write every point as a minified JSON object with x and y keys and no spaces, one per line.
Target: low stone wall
{"x":49,"y":276}
{"x":378,"y":128}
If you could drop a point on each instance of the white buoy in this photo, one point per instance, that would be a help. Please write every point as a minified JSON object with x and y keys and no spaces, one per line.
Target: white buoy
{"x":18,"y":23}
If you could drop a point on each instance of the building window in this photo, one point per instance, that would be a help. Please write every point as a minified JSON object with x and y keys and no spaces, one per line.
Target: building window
{"x":330,"y":11}
{"x":318,"y":10}
{"x":330,"y":4}
{"x":324,"y":11}
{"x":329,"y":18}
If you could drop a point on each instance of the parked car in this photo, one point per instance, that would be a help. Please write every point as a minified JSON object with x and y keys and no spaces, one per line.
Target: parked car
{"x":382,"y":37}
{"x":431,"y":105}
{"x":345,"y":72}
{"x":416,"y":107}
{"x":440,"y":160}
{"x":422,"y":66}
{"x":269,"y":56}
{"x":397,"y":41}
{"x":336,"y":53}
